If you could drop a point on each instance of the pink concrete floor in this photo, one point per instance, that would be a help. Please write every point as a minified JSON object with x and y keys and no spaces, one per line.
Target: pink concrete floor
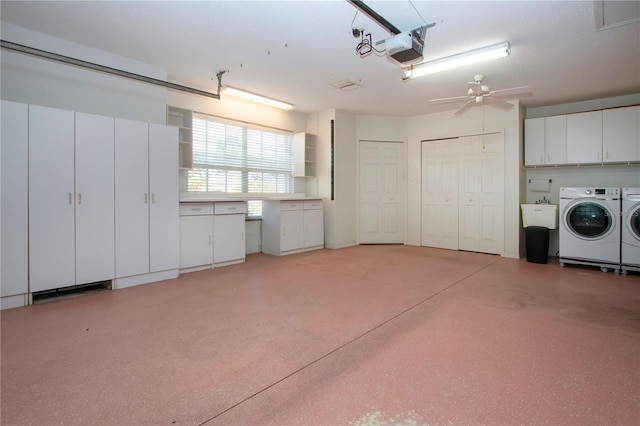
{"x":368,"y":335}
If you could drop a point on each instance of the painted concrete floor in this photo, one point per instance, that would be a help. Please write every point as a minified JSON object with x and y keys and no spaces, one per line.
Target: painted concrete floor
{"x":368,"y":335}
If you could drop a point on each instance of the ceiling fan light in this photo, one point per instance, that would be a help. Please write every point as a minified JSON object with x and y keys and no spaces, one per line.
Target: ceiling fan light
{"x":459,"y":60}
{"x":256,"y":98}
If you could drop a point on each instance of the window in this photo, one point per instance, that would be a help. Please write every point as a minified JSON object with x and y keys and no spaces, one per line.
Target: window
{"x":240,"y":158}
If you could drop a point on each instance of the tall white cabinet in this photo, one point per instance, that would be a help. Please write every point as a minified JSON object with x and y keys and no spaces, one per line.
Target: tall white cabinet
{"x":51,"y":198}
{"x":94,"y":173}
{"x":132,"y":198}
{"x":70,"y":198}
{"x":146,"y":202}
{"x":164,"y":241}
{"x":85,"y":198}
{"x":14,"y":265}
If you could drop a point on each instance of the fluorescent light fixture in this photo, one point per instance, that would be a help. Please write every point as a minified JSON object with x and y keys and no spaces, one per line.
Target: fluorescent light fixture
{"x":256,"y":98}
{"x":459,"y":60}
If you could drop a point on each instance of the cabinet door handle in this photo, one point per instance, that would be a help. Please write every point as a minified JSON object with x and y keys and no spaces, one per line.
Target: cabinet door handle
{"x":242,"y":236}
{"x":231,"y":208}
{"x":284,"y":231}
{"x":70,"y":200}
{"x":146,"y":198}
{"x":209,"y":239}
{"x":607,"y":155}
{"x":79,"y":197}
{"x":548,"y":158}
{"x":598,"y":156}
{"x":153,"y":198}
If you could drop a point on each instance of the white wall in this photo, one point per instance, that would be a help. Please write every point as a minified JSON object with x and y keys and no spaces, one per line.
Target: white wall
{"x":473,"y":121}
{"x":339,"y":213}
{"x":31,"y":80}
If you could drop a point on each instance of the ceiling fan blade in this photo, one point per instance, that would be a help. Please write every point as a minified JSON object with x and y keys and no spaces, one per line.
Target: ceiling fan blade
{"x":513,"y":92}
{"x":465,"y":107}
{"x":497,"y":102}
{"x":449,"y":100}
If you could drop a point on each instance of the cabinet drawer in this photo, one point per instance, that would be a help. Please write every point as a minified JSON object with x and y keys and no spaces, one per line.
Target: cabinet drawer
{"x":291,"y":205}
{"x":231,"y":208}
{"x":195,"y":209}
{"x":313,"y":205}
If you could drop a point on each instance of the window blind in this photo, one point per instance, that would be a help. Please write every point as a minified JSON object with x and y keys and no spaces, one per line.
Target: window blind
{"x":240,"y":158}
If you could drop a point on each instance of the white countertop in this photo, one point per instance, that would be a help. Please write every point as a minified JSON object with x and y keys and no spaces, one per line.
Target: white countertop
{"x":209,"y":197}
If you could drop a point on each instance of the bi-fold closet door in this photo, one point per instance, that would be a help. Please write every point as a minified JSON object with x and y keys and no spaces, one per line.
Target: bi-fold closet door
{"x":463,"y":193}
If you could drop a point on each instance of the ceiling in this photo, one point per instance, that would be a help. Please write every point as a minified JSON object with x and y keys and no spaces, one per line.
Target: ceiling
{"x":294,"y":50}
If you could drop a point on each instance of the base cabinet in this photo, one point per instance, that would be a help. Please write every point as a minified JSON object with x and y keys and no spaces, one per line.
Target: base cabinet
{"x":228,"y":233}
{"x":211,"y":234}
{"x":196,"y":236}
{"x":292,"y":226}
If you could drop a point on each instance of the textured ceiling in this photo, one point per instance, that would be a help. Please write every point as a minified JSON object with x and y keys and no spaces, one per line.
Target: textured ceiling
{"x":294,"y":50}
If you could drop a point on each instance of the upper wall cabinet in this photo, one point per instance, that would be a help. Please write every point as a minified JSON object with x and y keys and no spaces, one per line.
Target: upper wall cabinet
{"x":182,"y":119}
{"x":621,"y":134}
{"x":584,"y":137}
{"x":594,"y":137}
{"x":304,"y":155}
{"x":545,"y":141}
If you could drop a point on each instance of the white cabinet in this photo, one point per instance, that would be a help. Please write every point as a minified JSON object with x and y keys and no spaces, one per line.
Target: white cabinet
{"x":94,"y":174}
{"x":14,"y":241}
{"x":70,"y":198}
{"x":545,"y":140}
{"x":555,"y":142}
{"x":131,"y":197}
{"x":228,"y":233}
{"x":51,"y":198}
{"x":196,"y":236}
{"x":292,"y":226}
{"x":304,"y":155}
{"x":313,"y":220}
{"x":183,"y":120}
{"x":584,"y":137}
{"x":534,"y":142}
{"x":163,"y":207}
{"x":621,"y":134}
{"x":146,"y":194}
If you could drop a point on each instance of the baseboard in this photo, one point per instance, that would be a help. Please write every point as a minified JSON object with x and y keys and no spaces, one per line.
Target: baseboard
{"x":120,"y":283}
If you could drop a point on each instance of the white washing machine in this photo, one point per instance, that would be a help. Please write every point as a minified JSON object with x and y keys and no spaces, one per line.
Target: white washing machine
{"x":630,"y":246}
{"x":590,"y":227}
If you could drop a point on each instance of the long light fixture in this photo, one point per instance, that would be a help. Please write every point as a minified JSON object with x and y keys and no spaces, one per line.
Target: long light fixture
{"x":459,"y":60}
{"x":256,"y":98}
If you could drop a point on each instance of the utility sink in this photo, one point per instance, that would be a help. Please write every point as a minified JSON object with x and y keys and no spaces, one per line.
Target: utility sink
{"x":545,"y":215}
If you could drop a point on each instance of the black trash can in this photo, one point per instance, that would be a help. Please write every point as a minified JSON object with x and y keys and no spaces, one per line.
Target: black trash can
{"x":537,"y":244}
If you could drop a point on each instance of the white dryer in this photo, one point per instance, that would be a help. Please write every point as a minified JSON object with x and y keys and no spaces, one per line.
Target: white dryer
{"x":590,"y":227}
{"x":630,"y":246}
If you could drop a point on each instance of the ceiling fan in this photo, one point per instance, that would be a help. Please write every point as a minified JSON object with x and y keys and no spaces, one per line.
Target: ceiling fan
{"x":479,"y":94}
